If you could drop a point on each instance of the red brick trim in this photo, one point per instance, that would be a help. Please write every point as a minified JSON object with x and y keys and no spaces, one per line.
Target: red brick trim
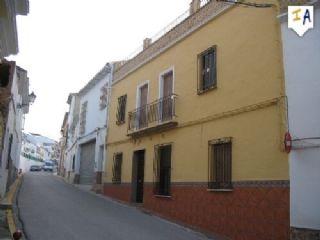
{"x":120,"y":192}
{"x":253,"y":210}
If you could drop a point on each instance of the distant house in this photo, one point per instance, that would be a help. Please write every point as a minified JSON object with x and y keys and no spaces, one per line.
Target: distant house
{"x":63,"y":145}
{"x":36,"y":149}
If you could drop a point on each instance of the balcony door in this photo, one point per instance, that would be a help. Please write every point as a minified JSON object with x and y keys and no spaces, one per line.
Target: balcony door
{"x":142,"y":105}
{"x":166,"y":91}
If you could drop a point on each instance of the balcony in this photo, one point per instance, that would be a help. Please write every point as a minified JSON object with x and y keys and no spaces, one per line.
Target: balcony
{"x":155,"y":117}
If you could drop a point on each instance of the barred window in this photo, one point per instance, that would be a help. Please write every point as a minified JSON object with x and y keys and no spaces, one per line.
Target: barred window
{"x":162,"y":170}
{"x":207,"y":68}
{"x":117,"y":165}
{"x":220,"y":162}
{"x":121,"y":112}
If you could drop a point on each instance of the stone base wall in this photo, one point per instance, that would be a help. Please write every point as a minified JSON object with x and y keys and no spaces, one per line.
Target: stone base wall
{"x":248,"y":212}
{"x":304,"y":234}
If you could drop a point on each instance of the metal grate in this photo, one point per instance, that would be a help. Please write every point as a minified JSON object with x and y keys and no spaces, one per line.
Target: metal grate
{"x":117,"y":165}
{"x":121,"y":113}
{"x":162,"y":170}
{"x":220,"y":166}
{"x":161,"y":110}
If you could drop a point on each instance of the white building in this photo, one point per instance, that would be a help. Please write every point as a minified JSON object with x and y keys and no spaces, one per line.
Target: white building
{"x":301,"y":56}
{"x":8,"y":26}
{"x":15,"y":90}
{"x":71,"y":146}
{"x":87,"y":126}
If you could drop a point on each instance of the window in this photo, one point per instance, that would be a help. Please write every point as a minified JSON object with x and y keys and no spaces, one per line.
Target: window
{"x":104,"y":96}
{"x":83,"y":117}
{"x":220,"y":161}
{"x":162,"y":170}
{"x":121,"y":113}
{"x":207,"y":68}
{"x":117,"y":163}
{"x":73,"y":162}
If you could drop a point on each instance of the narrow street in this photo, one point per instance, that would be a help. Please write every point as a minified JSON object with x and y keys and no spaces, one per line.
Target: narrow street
{"x":52,"y":209}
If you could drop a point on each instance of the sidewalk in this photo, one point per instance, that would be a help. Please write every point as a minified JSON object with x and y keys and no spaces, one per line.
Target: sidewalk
{"x":7,"y":207}
{"x":4,"y":228}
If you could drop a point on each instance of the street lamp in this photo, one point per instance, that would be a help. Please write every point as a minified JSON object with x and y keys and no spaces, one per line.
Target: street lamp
{"x":31,"y":98}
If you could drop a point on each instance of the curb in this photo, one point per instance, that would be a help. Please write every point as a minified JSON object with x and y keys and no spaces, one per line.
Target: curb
{"x":8,"y":202}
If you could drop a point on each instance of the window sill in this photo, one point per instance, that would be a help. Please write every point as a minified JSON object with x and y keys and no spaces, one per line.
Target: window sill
{"x":163,"y":196}
{"x":220,"y":190}
{"x":200,"y":92}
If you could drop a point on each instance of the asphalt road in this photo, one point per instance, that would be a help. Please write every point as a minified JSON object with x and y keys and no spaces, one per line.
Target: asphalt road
{"x":53,"y":209}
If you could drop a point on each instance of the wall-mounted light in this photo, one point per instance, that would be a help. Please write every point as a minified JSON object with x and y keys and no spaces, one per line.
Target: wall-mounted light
{"x":31,"y":98}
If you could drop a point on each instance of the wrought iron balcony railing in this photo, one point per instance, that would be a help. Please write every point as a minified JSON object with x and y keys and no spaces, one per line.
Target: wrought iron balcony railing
{"x":151,"y":115}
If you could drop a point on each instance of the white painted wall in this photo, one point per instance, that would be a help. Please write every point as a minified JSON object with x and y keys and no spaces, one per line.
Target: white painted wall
{"x":72,"y":147}
{"x":14,"y":128}
{"x":95,"y":129}
{"x":96,"y":120}
{"x":302,"y":73}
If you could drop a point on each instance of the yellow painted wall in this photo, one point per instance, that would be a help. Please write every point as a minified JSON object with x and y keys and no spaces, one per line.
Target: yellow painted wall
{"x":249,"y":71}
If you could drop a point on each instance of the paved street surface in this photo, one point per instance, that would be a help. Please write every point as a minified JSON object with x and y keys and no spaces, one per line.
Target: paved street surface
{"x":52,"y":209}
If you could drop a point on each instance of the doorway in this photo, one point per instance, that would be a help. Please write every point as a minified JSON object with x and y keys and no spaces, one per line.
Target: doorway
{"x":138,"y":176}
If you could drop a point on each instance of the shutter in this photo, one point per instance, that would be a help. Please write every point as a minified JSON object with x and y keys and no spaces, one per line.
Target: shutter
{"x":123,"y":108}
{"x":218,"y":158}
{"x":156,"y":170}
{"x":118,"y":110}
{"x":113,"y":168}
{"x":212,"y":67}
{"x":205,"y":73}
{"x":228,"y":165}
{"x":119,"y":168}
{"x":212,"y":167}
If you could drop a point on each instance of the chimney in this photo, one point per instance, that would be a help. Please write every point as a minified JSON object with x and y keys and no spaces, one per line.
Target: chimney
{"x":146,"y":43}
{"x":194,"y":6}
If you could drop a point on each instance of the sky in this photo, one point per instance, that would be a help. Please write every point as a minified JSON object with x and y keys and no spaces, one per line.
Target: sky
{"x":64,"y":43}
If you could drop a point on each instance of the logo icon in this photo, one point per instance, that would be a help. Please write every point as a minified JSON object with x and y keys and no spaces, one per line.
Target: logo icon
{"x":300,"y":19}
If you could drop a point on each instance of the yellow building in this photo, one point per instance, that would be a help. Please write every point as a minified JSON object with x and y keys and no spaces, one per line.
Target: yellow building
{"x":197,"y":121}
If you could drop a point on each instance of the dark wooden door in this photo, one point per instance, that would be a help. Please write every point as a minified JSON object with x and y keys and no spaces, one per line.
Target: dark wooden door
{"x":143,"y":106}
{"x":138,"y":176}
{"x":167,"y":99}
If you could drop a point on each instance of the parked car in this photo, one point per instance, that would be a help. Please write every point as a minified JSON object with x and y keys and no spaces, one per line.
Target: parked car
{"x":48,"y":166}
{"x":35,"y":168}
